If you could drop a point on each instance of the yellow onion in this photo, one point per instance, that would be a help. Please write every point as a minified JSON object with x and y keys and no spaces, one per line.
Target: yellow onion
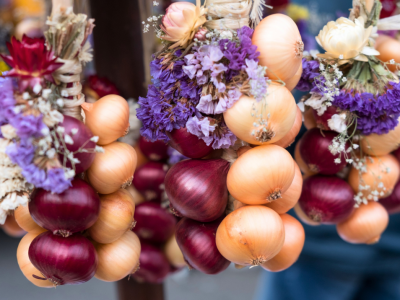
{"x":292,"y":82}
{"x":382,"y":174}
{"x":250,"y":235}
{"x":303,"y":217}
{"x":279,"y":42}
{"x":11,"y":228}
{"x":25,"y":221}
{"x":107,"y":118}
{"x":292,"y":246}
{"x":136,"y":196}
{"x":389,"y":49}
{"x":381,"y":144}
{"x":300,"y":162}
{"x":25,"y":264}
{"x":365,"y":225}
{"x":309,"y":119}
{"x":115,"y":218}
{"x":289,"y":138}
{"x":291,"y":196}
{"x":174,"y":254}
{"x":141,"y":158}
{"x":261,"y":175}
{"x":113,"y":169}
{"x":278,"y":110}
{"x":119,"y":258}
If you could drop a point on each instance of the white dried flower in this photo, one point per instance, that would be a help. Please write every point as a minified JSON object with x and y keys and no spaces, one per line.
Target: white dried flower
{"x":99,"y":149}
{"x":60,"y":102}
{"x":74,"y":131}
{"x":94,"y":139}
{"x":37,"y":88}
{"x":69,"y":173}
{"x":51,"y":153}
{"x":68,"y":139}
{"x":46,"y":93}
{"x":338,"y":122}
{"x":60,"y":129}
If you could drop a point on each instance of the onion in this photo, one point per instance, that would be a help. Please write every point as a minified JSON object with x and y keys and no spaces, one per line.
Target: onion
{"x":243,"y":150}
{"x":291,"y":249}
{"x":107,"y":118}
{"x":381,"y":39}
{"x":197,"y":189}
{"x":141,"y":159}
{"x":366,"y":224}
{"x":250,"y":235}
{"x":396,"y":154}
{"x":154,"y":266}
{"x":291,"y":196}
{"x":314,"y":149}
{"x":154,"y":223}
{"x":113,"y":169}
{"x":115,"y":218}
{"x":303,"y":217}
{"x":70,"y":260}
{"x":155,"y":151}
{"x":381,"y":176}
{"x":377,"y":145}
{"x":11,"y":227}
{"x":119,"y":258}
{"x":136,"y":196}
{"x":292,"y":82}
{"x":389,"y":49}
{"x":300,"y":162}
{"x":27,"y":268}
{"x":322,"y":121}
{"x":261,"y":175}
{"x":289,"y":138}
{"x":25,"y":221}
{"x":278,"y":110}
{"x":197,"y":243}
{"x":149,"y":180}
{"x":309,"y":120}
{"x":173,"y":253}
{"x":326,"y":199}
{"x":188,"y":144}
{"x":74,"y":210}
{"x":279,"y":42}
{"x":392,"y":202}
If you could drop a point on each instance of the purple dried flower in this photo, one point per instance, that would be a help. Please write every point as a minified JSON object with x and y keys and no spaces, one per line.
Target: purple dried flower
{"x":310,"y":71}
{"x":22,"y":153}
{"x":56,"y":181}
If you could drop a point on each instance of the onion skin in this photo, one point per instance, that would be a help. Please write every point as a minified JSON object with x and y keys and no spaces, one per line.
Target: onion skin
{"x":326,"y":199}
{"x":188,"y":144}
{"x":322,"y":121}
{"x":309,"y":120}
{"x":392,"y":202}
{"x":141,"y":159}
{"x":118,"y":259}
{"x":74,"y":210}
{"x":289,"y":138}
{"x":292,"y":82}
{"x":303,"y":217}
{"x":25,"y":221}
{"x":11,"y":228}
{"x":253,"y":179}
{"x":300,"y":162}
{"x":174,"y":253}
{"x":70,"y":260}
{"x":197,"y":188}
{"x":197,"y":243}
{"x":149,"y":180}
{"x":25,"y":264}
{"x":366,"y":224}
{"x":155,"y":151}
{"x":154,"y":266}
{"x":314,"y":149}
{"x":292,"y":247}
{"x":154,"y":223}
{"x":389,"y":49}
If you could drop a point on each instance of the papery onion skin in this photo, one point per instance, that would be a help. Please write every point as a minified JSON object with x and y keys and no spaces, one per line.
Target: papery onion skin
{"x":154,"y":223}
{"x":289,"y":138}
{"x":149,"y":180}
{"x":11,"y":228}
{"x":261,"y":175}
{"x":174,"y":253}
{"x":326,"y":199}
{"x":314,"y":149}
{"x":197,"y":243}
{"x":154,"y":266}
{"x":74,"y":210}
{"x":63,"y":260}
{"x":155,"y":151}
{"x":25,"y":221}
{"x":322,"y":121}
{"x":119,"y":258}
{"x":292,"y":247}
{"x":279,"y":105}
{"x":250,"y":235}
{"x":300,"y":162}
{"x":309,"y":120}
{"x":303,"y":217}
{"x":292,"y":82}
{"x":188,"y":144}
{"x":197,"y":188}
{"x":366,"y":224}
{"x":392,"y":202}
{"x":113,"y":169}
{"x":389,"y":49}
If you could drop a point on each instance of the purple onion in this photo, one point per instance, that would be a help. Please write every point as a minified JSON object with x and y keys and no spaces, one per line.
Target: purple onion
{"x":326,"y":199}
{"x":155,"y":151}
{"x":149,"y":180}
{"x":392,"y":202}
{"x":197,"y":243}
{"x":153,"y":223}
{"x":71,"y":260}
{"x":322,"y":121}
{"x":74,"y":210}
{"x":314,"y":149}
{"x":197,"y":188}
{"x":188,"y":144}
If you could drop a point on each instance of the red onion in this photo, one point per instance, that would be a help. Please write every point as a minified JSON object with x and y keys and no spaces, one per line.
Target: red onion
{"x":392,"y":202}
{"x":81,"y":139}
{"x":153,"y":223}
{"x":156,"y":151}
{"x":322,"y":121}
{"x":197,"y":188}
{"x":102,"y":86}
{"x":314,"y":149}
{"x":197,"y":243}
{"x":71,"y":260}
{"x":188,"y":144}
{"x":149,"y":180}
{"x":154,"y":266}
{"x":327,"y":199}
{"x":74,"y":210}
